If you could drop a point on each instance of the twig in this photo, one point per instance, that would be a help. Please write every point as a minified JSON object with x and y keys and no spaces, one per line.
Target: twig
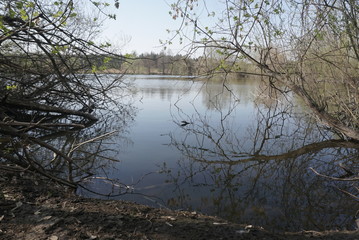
{"x":335,"y":178}
{"x":349,"y":194}
{"x":93,"y":139}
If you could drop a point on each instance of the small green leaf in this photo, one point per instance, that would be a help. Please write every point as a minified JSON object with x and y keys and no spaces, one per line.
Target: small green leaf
{"x":247,"y":15}
{"x":106,"y":60}
{"x":19,"y":5}
{"x":11,"y":87}
{"x":58,"y":14}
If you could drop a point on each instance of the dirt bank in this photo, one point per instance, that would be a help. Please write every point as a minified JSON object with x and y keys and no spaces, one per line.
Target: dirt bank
{"x":40,"y":209}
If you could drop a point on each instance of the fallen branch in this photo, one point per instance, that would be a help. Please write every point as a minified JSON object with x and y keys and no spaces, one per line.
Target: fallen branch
{"x":17,"y":104}
{"x":41,"y":125}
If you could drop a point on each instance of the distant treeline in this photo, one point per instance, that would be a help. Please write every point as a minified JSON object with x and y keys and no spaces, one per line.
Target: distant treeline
{"x":149,"y":63}
{"x":152,"y":63}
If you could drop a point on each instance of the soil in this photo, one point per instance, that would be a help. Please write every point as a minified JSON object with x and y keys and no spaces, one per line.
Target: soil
{"x":40,"y":209}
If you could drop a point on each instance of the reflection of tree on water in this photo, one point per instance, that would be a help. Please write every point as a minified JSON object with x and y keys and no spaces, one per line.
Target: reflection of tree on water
{"x":260,"y":174}
{"x":150,"y":88}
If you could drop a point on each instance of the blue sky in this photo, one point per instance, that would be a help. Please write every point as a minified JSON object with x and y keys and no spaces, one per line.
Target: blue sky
{"x":140,"y":24}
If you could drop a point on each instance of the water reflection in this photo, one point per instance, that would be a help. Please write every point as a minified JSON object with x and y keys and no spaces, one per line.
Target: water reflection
{"x":260,"y":174}
{"x":245,"y":155}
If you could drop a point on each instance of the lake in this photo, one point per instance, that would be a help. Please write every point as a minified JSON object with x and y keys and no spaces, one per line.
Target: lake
{"x":233,"y":149}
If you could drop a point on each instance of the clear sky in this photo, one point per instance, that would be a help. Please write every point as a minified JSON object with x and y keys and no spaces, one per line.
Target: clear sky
{"x":140,"y":24}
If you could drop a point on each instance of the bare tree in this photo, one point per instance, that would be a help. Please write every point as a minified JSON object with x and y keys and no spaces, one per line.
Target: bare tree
{"x":50,"y":86}
{"x":308,"y":47}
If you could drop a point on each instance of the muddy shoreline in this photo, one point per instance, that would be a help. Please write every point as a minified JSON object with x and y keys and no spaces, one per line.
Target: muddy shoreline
{"x":31,"y":208}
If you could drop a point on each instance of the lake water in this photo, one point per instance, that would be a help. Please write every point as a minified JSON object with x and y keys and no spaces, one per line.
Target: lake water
{"x":243,"y":154}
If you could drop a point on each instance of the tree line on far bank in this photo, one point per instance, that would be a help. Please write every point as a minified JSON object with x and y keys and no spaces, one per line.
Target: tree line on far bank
{"x":166,"y":64}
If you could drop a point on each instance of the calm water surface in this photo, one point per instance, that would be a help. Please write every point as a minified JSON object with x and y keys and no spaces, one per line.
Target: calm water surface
{"x":245,"y":156}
